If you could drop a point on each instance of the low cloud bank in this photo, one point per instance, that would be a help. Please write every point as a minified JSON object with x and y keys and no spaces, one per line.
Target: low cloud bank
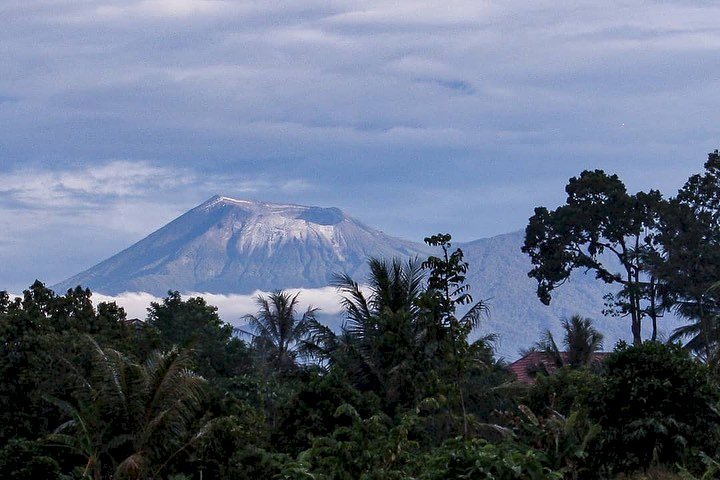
{"x":231,"y":307}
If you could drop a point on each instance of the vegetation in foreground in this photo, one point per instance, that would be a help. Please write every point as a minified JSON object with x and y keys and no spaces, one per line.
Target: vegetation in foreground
{"x":400,"y":392}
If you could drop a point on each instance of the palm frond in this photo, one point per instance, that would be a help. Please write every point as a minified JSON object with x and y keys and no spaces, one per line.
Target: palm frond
{"x":548,"y":345}
{"x":475,"y":315}
{"x":357,"y":307}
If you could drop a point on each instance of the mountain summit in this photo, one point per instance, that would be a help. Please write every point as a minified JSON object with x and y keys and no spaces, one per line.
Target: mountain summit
{"x":238,"y":246}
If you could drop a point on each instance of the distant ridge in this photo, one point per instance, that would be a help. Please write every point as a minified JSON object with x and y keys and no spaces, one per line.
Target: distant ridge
{"x":229,"y":246}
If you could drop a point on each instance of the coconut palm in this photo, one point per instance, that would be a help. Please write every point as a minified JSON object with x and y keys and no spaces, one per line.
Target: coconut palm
{"x":276,"y":329}
{"x":164,"y":402}
{"x":581,"y":340}
{"x":97,"y":400}
{"x":128,"y":420}
{"x":381,"y":336}
{"x":703,"y":333}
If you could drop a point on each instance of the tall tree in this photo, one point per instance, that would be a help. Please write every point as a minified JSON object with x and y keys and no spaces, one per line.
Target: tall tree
{"x":380,"y":345}
{"x":277,"y":330}
{"x":599,"y":217}
{"x":690,"y":266}
{"x":446,"y":290}
{"x":32,"y":329}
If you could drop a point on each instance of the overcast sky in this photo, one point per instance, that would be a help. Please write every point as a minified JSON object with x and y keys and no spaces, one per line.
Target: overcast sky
{"x":415,"y":117}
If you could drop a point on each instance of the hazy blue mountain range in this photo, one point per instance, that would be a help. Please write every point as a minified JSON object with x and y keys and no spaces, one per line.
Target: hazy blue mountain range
{"x":238,"y":246}
{"x":498,"y":273}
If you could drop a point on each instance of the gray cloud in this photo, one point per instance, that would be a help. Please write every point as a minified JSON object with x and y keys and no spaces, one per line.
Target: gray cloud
{"x":413,"y":116}
{"x":53,"y":222}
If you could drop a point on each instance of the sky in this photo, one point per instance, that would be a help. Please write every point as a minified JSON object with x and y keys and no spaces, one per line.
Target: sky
{"x":415,"y":117}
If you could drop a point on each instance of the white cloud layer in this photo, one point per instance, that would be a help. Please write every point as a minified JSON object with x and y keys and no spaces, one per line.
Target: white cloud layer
{"x":231,"y":308}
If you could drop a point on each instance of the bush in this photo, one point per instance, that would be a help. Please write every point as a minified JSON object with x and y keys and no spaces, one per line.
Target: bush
{"x":252,"y":463}
{"x":459,"y":458}
{"x":25,"y":459}
{"x":563,"y":391}
{"x":311,"y":412}
{"x":656,"y":406}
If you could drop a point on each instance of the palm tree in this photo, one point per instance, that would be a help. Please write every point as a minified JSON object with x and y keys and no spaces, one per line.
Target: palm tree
{"x":130,"y":420}
{"x":91,"y":411}
{"x":703,"y":333}
{"x":581,"y":340}
{"x":166,"y":399}
{"x":381,"y":338}
{"x":277,"y":331}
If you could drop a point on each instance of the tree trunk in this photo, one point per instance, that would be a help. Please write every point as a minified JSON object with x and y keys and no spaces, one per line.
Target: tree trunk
{"x":636,"y":319}
{"x":634,"y":301}
{"x":703,"y":326}
{"x":636,"y":331}
{"x":653,"y":308}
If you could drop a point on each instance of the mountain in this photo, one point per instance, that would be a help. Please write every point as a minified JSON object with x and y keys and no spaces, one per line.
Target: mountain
{"x":239,"y":246}
{"x":498,"y":274}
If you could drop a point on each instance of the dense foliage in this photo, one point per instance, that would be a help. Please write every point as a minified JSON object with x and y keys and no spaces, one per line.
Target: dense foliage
{"x":400,"y":391}
{"x":655,"y":403}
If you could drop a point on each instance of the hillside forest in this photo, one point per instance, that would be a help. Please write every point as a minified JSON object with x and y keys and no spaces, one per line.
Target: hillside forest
{"x":409,"y":387}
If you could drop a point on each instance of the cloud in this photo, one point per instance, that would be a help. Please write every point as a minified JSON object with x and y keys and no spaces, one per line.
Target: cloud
{"x":82,"y":187}
{"x":231,"y":308}
{"x":109,"y":182}
{"x":57,"y":222}
{"x":362,"y":105}
{"x":161,"y":8}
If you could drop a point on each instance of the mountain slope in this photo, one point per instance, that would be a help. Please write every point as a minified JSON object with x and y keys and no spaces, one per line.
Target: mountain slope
{"x":238,"y":246}
{"x":498,"y":274}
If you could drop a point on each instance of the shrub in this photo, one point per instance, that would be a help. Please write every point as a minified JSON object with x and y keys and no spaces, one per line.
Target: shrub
{"x":656,"y":407}
{"x":563,"y":391}
{"x":23,"y":459}
{"x":478,"y":459}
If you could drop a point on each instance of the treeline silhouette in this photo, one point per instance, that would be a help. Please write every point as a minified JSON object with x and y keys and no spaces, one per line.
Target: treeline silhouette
{"x":399,"y":391}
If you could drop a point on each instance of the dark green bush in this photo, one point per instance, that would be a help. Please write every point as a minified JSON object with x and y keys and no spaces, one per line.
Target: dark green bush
{"x":311,"y":411}
{"x":477,"y":459}
{"x":563,"y":391}
{"x":25,"y":459}
{"x":657,"y":406}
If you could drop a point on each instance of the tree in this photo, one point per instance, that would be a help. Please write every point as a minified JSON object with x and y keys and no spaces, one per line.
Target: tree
{"x":581,"y":340}
{"x":702,"y":333}
{"x":33,"y":329}
{"x":27,"y":459}
{"x":446,"y":291}
{"x":277,"y":331}
{"x":194,"y":325}
{"x":129,"y":420}
{"x":402,"y":340}
{"x":656,"y":404}
{"x":690,"y":266}
{"x":599,"y":217}
{"x":310,"y":412}
{"x":381,"y":343}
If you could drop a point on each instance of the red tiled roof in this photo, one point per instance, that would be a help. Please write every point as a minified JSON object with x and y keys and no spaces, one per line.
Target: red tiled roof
{"x":522,"y":368}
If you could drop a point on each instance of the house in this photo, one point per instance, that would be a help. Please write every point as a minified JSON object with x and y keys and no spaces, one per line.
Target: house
{"x":533,"y":362}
